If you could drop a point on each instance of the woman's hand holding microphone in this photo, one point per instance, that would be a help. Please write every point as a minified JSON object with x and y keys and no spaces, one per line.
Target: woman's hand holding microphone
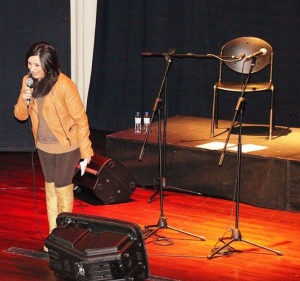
{"x":28,"y":91}
{"x":27,"y":95}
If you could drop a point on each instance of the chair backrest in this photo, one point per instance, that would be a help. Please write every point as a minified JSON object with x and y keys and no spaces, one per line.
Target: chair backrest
{"x":247,"y":46}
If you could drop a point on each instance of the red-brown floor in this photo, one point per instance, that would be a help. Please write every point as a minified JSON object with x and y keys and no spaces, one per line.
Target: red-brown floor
{"x":186,"y":259}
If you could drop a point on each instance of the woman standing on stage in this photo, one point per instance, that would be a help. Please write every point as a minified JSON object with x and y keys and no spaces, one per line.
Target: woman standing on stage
{"x":59,"y":126}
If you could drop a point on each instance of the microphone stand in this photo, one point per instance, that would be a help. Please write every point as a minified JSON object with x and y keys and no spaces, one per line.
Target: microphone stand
{"x":232,"y":58}
{"x":165,"y":114}
{"x":235,"y":232}
{"x":158,"y":106}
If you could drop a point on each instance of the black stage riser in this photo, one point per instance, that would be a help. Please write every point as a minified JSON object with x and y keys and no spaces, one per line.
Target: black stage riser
{"x":265,"y":182}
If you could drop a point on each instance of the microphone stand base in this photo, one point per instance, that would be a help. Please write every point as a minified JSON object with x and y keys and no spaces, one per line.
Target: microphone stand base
{"x":236,"y":236}
{"x":162,"y":223}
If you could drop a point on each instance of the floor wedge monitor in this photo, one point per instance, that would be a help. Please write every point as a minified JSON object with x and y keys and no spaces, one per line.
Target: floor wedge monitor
{"x":108,"y":179}
{"x":86,"y":247}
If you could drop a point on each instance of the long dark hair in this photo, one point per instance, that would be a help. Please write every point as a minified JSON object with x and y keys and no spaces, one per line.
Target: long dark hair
{"x":48,"y":57}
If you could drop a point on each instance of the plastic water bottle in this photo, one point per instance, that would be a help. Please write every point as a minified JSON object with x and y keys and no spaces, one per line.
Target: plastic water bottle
{"x":146,"y":121}
{"x":138,"y":123}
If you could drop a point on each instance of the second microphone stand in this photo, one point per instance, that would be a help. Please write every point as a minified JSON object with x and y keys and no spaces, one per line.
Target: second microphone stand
{"x":158,"y":107}
{"x":235,"y":232}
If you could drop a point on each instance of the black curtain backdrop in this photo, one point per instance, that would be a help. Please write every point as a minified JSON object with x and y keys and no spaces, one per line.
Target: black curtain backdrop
{"x":23,"y":23}
{"x":124,"y":82}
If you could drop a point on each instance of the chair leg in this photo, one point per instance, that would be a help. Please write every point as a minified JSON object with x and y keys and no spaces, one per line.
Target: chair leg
{"x":271,"y":114}
{"x":214,"y":116}
{"x":216,"y":110}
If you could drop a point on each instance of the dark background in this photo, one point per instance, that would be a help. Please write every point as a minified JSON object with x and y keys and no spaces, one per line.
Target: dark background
{"x":23,"y":23}
{"x":124,"y":82}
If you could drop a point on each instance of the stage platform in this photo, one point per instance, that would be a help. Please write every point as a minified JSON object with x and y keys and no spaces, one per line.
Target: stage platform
{"x":270,"y":170}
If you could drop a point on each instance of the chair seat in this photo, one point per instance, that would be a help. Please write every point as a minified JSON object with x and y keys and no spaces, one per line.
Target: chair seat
{"x":251,"y":87}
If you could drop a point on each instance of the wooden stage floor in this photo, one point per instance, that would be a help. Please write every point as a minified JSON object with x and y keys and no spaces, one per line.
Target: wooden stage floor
{"x":22,"y":210}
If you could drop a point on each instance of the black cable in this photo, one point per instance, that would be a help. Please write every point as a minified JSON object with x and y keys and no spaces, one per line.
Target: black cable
{"x":177,"y":256}
{"x":159,"y":240}
{"x":242,"y":76}
{"x":34,"y":180}
{"x":232,"y":59}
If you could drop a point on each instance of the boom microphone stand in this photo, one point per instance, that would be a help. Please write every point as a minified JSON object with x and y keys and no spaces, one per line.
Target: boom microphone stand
{"x":236,"y":234}
{"x":158,"y":106}
{"x":232,"y":58}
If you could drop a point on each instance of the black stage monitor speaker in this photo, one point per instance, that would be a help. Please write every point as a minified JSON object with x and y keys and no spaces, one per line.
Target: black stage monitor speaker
{"x":86,"y":247}
{"x":106,"y":178}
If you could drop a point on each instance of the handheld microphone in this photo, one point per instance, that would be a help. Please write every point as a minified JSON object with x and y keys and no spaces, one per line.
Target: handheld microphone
{"x":261,"y":52}
{"x":29,"y":82}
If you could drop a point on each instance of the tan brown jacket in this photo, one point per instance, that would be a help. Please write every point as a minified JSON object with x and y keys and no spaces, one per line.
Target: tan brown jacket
{"x":64,"y":113}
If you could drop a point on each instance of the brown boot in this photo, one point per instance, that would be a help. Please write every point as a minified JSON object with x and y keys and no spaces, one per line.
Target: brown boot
{"x":65,"y":197}
{"x":52,"y":208}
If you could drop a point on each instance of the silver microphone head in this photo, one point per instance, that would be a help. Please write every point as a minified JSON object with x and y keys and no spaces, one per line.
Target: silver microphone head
{"x":29,"y":82}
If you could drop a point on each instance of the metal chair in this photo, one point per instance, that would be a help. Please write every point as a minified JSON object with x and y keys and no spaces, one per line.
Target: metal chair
{"x":247,"y":46}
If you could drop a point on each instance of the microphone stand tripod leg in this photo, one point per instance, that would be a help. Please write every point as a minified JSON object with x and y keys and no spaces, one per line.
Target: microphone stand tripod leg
{"x":151,"y":232}
{"x":263,"y":247}
{"x":188,"y":233}
{"x":153,"y":196}
{"x":157,"y":190}
{"x":162,"y":223}
{"x":220,"y":249}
